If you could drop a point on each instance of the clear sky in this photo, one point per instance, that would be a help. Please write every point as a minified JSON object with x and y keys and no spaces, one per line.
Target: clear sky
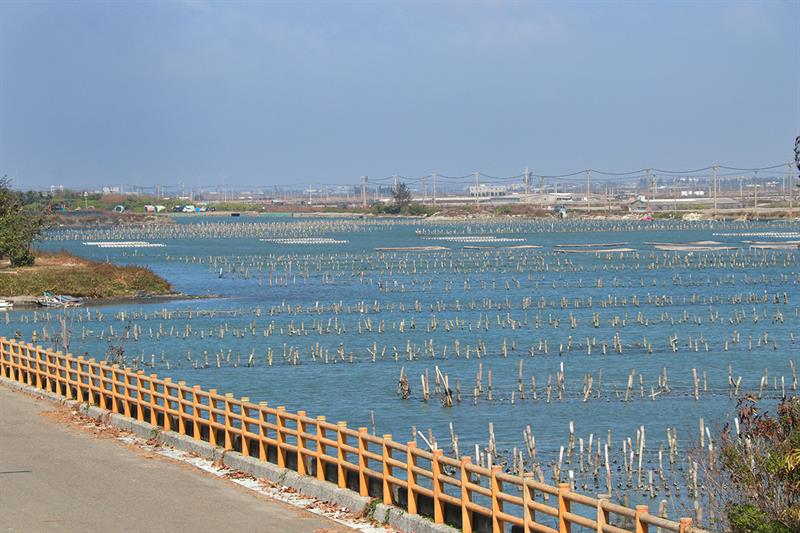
{"x":282,"y":93}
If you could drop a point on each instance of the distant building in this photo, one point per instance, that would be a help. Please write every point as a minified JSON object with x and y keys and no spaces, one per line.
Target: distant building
{"x":487,"y":191}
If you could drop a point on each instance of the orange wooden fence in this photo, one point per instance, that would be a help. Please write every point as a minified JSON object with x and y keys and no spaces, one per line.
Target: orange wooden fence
{"x":459,"y":492}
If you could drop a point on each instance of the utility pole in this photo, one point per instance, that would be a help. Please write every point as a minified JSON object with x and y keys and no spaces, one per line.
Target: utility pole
{"x":541,"y":190}
{"x":364,"y":192}
{"x":477,"y":190}
{"x":652,"y":183}
{"x":797,"y":164}
{"x":588,"y":189}
{"x":434,"y":189}
{"x":714,"y":173}
{"x":755,"y":195}
{"x":790,"y":187}
{"x":741,"y":191}
{"x":674,"y":198}
{"x":527,"y":182}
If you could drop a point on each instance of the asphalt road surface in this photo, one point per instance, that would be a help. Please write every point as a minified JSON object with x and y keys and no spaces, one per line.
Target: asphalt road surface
{"x":57,"y":476}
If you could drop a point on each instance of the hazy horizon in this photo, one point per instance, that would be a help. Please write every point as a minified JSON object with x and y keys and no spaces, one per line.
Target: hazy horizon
{"x":275,"y":94}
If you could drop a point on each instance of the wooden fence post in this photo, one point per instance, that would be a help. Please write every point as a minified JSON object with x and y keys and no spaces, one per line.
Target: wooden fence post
{"x":363,"y":464}
{"x":48,"y":380}
{"x":65,"y":363}
{"x":438,"y":487}
{"x":341,"y":473}
{"x":114,"y":389}
{"x":528,"y":517}
{"x":5,"y":349}
{"x":602,"y":514}
{"x":29,"y":363}
{"x":126,"y":387}
{"x":24,"y":374}
{"x":68,"y":361}
{"x":497,"y":504}
{"x":386,"y":472}
{"x":641,"y":527}
{"x":57,"y":373}
{"x":34,"y":357}
{"x":196,"y":433}
{"x":139,"y":397}
{"x":181,"y":421}
{"x":212,"y":417}
{"x":10,"y":357}
{"x":21,"y":375}
{"x":466,"y":495}
{"x":63,"y":374}
{"x":228,"y":425}
{"x":301,"y":444}
{"x":24,"y":371}
{"x":564,"y":525}
{"x":153,"y":399}
{"x":244,"y":413}
{"x":95,"y":397}
{"x":321,"y":448}
{"x":16,"y":372}
{"x":38,"y":352}
{"x":5,"y":370}
{"x":262,"y":432}
{"x":78,"y":377}
{"x":167,"y":422}
{"x":279,"y":422}
{"x":412,"y":477}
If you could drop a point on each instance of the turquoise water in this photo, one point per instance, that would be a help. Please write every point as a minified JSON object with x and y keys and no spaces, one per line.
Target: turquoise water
{"x":276,"y":296}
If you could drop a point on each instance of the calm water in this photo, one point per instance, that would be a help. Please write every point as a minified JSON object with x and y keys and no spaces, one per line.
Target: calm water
{"x":484,"y":293}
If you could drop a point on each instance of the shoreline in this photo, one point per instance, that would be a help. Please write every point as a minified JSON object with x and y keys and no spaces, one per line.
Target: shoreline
{"x":32,"y":301}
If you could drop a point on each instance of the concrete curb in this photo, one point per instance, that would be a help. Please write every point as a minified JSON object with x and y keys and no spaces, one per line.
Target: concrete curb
{"x":322,"y":490}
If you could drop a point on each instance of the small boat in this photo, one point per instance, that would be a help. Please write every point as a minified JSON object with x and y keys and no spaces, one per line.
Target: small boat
{"x":235,"y":214}
{"x":58,"y":300}
{"x":5,"y":305}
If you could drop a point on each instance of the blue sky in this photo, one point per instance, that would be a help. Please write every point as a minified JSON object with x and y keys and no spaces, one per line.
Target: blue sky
{"x":290,"y":93}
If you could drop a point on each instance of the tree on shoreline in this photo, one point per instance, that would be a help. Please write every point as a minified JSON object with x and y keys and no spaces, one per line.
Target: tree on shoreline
{"x":401,"y":196}
{"x":402,"y":204}
{"x":19,"y":226}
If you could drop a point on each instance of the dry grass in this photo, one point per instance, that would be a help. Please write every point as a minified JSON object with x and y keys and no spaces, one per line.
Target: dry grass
{"x":64,"y":273}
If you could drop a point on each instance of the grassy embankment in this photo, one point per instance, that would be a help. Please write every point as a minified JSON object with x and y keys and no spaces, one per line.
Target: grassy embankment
{"x":63,"y":273}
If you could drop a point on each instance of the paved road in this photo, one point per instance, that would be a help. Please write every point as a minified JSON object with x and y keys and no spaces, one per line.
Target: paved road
{"x":59,"y":477}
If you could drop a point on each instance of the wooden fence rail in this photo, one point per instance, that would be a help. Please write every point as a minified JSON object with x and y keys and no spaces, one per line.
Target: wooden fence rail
{"x":421,"y":481}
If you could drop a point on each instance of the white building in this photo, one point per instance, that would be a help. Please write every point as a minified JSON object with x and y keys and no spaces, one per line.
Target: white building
{"x":487,"y":191}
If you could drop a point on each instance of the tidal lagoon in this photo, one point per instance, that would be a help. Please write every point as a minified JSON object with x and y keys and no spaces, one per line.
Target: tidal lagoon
{"x":535,"y":344}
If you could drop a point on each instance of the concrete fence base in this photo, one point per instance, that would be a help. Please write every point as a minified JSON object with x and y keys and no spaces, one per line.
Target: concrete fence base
{"x":344,"y":498}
